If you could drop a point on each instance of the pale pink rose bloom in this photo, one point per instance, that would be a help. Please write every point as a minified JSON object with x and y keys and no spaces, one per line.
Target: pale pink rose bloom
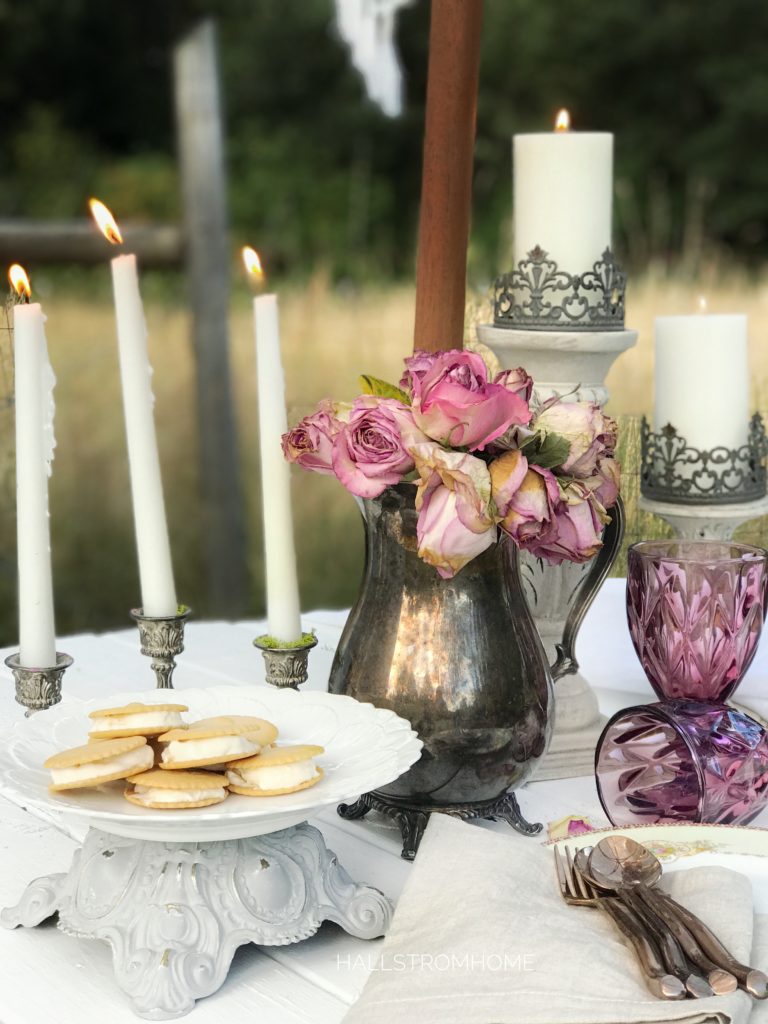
{"x":456,"y":404}
{"x":454,"y":504}
{"x":444,"y":541}
{"x":370,"y":451}
{"x":516,"y":381}
{"x":508,"y":472}
{"x":528,"y":504}
{"x":590,"y":433}
{"x":310,"y":443}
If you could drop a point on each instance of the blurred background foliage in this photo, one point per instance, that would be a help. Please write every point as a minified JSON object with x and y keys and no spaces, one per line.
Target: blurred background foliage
{"x":319,"y":175}
{"x":327,"y":188}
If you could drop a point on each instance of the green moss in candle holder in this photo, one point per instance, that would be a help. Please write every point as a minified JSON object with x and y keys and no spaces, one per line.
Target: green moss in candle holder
{"x":273,"y":644}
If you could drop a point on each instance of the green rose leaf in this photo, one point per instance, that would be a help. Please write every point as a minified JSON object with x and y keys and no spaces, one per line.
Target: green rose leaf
{"x":382,"y":389}
{"x":551,"y":451}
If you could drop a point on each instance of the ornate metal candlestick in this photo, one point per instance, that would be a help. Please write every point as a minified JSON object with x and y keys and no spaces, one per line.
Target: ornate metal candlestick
{"x":162,"y":638}
{"x":706,"y":494}
{"x":38,"y":688}
{"x":286,"y":666}
{"x":567,"y":330}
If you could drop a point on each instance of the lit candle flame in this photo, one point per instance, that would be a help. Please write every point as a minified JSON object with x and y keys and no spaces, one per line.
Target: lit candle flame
{"x":17,"y":275}
{"x":702,"y":303}
{"x":105,"y":221}
{"x":253,"y":264}
{"x":563,"y":121}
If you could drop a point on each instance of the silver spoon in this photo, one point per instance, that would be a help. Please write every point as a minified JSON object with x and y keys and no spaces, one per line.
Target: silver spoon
{"x":618,"y":862}
{"x":671,"y":950}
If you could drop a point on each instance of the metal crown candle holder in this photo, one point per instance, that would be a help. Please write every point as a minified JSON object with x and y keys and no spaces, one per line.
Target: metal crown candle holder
{"x":538,"y":296}
{"x":38,"y":688}
{"x":673,"y":471}
{"x":162,"y":638}
{"x":286,"y":666}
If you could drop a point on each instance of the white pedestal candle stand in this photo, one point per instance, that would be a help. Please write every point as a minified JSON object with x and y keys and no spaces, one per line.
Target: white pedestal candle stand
{"x":705,"y":522}
{"x":572,"y":364}
{"x":174,"y":913}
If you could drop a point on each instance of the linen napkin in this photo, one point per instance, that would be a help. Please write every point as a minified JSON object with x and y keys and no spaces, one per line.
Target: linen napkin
{"x":482,"y":936}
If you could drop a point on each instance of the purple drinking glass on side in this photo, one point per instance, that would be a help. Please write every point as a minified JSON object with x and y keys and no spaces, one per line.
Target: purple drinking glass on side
{"x":682,"y":761}
{"x":695,"y":611}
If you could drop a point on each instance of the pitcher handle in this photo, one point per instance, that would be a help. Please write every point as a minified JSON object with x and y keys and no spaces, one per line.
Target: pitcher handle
{"x":613,"y":535}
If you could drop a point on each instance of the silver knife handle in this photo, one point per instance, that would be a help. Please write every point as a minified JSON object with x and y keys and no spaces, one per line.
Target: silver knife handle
{"x":754,"y":981}
{"x":660,"y":983}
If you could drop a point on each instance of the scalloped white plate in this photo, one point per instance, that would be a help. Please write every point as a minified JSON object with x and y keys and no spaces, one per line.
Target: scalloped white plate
{"x":365,"y":748}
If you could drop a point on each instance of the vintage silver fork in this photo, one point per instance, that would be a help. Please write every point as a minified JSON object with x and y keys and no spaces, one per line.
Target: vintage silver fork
{"x":576,"y":891}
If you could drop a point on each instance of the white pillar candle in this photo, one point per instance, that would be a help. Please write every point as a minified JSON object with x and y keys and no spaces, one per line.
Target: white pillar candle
{"x":34,"y":452}
{"x":563,"y":196}
{"x":701,"y":379}
{"x":284,"y":622}
{"x":158,"y":592}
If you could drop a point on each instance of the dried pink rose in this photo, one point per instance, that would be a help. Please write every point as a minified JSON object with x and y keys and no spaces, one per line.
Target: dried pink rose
{"x":310,"y":443}
{"x":526,"y":500}
{"x":453,"y":500}
{"x":605,"y":481}
{"x":415,"y":367}
{"x":370,"y":451}
{"x":590,"y":433}
{"x":455,"y":403}
{"x":575,"y":531}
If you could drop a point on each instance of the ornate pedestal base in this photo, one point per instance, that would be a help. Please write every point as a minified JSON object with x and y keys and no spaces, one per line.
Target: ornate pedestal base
{"x":573,"y":366}
{"x":705,"y":522}
{"x":412,"y":818}
{"x":174,"y":913}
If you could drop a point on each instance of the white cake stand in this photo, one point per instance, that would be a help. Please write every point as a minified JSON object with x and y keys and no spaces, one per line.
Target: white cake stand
{"x":176,"y":893}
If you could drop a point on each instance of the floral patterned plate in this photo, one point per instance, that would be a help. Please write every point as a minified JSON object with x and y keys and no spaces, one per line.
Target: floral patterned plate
{"x":679,"y":847}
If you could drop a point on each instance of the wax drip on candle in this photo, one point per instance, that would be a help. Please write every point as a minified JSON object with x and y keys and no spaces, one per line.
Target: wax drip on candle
{"x":563,"y":121}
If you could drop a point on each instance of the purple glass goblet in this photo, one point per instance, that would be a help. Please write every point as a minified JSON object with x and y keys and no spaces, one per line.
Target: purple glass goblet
{"x":695,"y":610}
{"x":682,"y":760}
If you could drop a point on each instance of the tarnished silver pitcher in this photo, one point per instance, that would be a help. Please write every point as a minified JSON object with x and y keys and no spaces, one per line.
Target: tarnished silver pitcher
{"x":460,"y":659}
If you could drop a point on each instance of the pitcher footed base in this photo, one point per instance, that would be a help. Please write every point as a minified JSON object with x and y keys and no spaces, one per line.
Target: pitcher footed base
{"x":412,"y":818}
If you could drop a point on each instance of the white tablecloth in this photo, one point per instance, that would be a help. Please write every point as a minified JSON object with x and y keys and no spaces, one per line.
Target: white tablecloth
{"x":45,"y":975}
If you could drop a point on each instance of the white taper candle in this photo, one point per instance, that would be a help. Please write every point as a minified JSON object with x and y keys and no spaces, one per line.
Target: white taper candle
{"x":158,"y":592}
{"x":284,"y":622}
{"x":34,"y":381}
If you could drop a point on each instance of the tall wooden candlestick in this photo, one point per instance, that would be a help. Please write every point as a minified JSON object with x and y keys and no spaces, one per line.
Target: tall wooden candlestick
{"x":446,"y":183}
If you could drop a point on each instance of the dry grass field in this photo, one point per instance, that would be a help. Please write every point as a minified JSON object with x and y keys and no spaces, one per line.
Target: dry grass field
{"x":328,"y":338}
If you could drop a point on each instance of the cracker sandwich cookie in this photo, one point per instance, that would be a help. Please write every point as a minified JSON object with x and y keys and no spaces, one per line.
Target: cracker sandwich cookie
{"x":215,"y":741}
{"x":99,"y":761}
{"x":176,"y":790}
{"x":135,"y":720}
{"x":276,"y":771}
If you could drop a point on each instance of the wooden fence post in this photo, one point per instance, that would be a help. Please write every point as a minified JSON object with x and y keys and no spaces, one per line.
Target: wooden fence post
{"x":203,"y":179}
{"x":446,"y":182}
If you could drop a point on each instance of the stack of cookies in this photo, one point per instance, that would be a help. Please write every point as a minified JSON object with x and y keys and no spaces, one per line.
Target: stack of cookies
{"x":156,"y":752}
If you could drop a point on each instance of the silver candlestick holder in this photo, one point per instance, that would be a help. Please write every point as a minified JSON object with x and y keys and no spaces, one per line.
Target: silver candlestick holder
{"x":286,"y":666}
{"x":38,"y":688}
{"x":704,"y":494}
{"x":567,"y":329}
{"x":162,"y":638}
